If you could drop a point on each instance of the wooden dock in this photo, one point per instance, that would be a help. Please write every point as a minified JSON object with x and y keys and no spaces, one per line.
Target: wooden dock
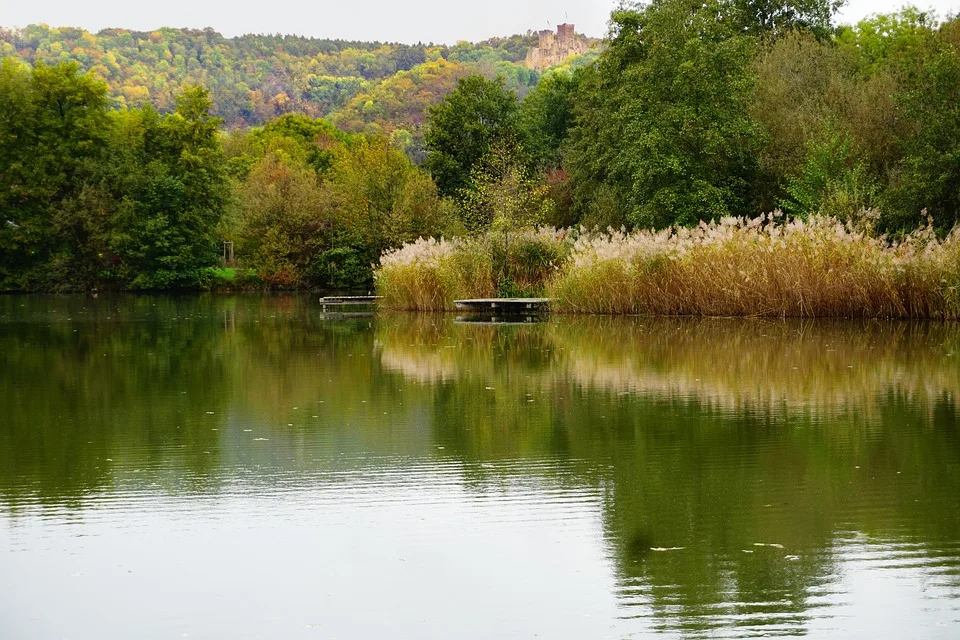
{"x":504,"y":306}
{"x":348,"y":301}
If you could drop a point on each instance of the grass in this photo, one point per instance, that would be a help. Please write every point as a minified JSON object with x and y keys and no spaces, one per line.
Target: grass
{"x":429,"y":275}
{"x":223,"y":274}
{"x":763,"y":267}
{"x":230,"y":278}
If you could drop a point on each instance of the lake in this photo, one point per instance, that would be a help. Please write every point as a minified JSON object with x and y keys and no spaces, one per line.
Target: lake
{"x":252,"y":467}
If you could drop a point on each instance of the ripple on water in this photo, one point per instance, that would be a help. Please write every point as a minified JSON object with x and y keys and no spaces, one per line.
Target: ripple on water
{"x":242,"y":467}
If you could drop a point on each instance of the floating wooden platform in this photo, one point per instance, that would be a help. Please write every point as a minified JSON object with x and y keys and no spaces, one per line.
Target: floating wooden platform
{"x":345,"y":315}
{"x":518,"y":306}
{"x":349,"y":300}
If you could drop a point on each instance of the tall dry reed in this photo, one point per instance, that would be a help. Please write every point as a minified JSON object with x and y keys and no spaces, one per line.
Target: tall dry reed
{"x":762,"y":267}
{"x":429,"y":275}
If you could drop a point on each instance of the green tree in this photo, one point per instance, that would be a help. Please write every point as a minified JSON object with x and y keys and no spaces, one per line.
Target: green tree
{"x":381,"y":199}
{"x":176,"y":190}
{"x":927,"y":179}
{"x":778,"y":17}
{"x":828,"y":126}
{"x":462,"y":129}
{"x":663,"y":126}
{"x":504,"y":195}
{"x":53,"y":129}
{"x":546,"y":115}
{"x":867,"y":120}
{"x":313,"y":139}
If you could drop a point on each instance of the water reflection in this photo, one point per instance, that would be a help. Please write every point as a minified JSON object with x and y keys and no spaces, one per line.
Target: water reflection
{"x":743,"y":456}
{"x":697,"y":477}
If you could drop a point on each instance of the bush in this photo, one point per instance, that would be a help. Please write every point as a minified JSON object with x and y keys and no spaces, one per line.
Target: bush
{"x":343,"y":268}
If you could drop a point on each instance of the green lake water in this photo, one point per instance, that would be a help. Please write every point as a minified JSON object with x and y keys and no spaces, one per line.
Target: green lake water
{"x":251,"y":467}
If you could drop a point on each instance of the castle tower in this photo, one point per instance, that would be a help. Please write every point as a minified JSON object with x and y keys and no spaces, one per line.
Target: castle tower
{"x":553,"y":49}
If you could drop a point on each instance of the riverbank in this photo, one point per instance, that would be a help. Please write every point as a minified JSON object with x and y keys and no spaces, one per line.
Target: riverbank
{"x":223,"y":280}
{"x":762,"y":267}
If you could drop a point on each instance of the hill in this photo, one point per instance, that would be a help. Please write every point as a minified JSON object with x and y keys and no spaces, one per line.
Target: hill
{"x":255,"y":78}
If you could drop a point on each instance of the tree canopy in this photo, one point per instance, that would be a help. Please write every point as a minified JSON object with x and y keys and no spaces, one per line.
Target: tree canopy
{"x":462,"y":129}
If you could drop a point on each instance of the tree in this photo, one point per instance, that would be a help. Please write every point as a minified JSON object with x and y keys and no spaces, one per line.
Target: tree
{"x":779,"y":17}
{"x":927,"y":178}
{"x":865,"y":121}
{"x":313,"y":139}
{"x":504,"y":195}
{"x":546,"y":115}
{"x":284,"y":223}
{"x":381,"y":199}
{"x":663,"y":126}
{"x":176,"y":190}
{"x":462,"y":129}
{"x":53,"y":129}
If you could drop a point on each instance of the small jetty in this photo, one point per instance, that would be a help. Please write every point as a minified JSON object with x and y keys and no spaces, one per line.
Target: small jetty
{"x":504,"y":306}
{"x":348,"y":301}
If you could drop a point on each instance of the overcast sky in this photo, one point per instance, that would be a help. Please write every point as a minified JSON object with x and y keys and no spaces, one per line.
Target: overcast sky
{"x":394,"y":20}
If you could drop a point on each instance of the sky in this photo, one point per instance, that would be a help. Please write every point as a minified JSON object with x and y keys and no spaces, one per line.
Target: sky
{"x":439,"y":21}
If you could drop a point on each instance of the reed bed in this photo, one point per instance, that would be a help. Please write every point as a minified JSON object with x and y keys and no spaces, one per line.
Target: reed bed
{"x":762,"y":267}
{"x":429,"y":275}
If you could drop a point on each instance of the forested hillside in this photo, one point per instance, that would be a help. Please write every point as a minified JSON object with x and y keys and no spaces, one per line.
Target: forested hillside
{"x":255,"y":78}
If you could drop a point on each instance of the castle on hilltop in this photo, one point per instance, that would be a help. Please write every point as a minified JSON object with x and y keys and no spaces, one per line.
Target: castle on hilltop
{"x":555,"y":48}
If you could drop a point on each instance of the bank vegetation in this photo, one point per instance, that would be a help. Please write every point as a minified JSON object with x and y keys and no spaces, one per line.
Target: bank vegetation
{"x":763,"y":266}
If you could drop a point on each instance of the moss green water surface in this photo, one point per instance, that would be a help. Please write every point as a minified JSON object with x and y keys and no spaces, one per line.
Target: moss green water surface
{"x":251,"y":467}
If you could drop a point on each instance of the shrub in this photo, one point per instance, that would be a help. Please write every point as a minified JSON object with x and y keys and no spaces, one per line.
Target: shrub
{"x":343,"y":268}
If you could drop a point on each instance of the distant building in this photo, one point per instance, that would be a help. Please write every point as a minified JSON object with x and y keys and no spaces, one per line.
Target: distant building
{"x":555,"y":48}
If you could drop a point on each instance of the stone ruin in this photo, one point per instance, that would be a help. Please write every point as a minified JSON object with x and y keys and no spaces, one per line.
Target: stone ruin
{"x":554,"y":48}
